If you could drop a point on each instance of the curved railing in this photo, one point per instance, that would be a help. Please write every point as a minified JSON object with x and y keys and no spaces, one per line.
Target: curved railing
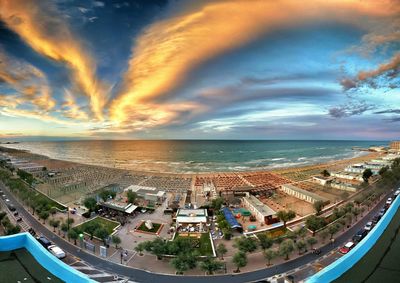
{"x":343,"y":264}
{"x":45,"y":259}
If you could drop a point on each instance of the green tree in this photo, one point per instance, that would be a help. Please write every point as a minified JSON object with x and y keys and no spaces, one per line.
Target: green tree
{"x":383,"y":170}
{"x":131,"y":196}
{"x":184,"y":262}
{"x":333,"y":229}
{"x":210,"y":265}
{"x":311,"y":241}
{"x":318,"y":206}
{"x":53,"y":211}
{"x":90,"y":228}
{"x":44,"y":215}
{"x":286,"y":248}
{"x":367,"y":174}
{"x":116,"y":240}
{"x":73,"y":234}
{"x":239,"y":260}
{"x":356,"y":211}
{"x":140,"y":248}
{"x":301,"y":245}
{"x":269,"y":255}
{"x":64,"y":228}
{"x":54,"y":223}
{"x":245,"y":244}
{"x":217,"y":203}
{"x":102,"y":234}
{"x":221,"y":250}
{"x":90,"y":203}
{"x":314,"y":223}
{"x":285,"y":216}
{"x":324,"y":234}
{"x":265,"y":241}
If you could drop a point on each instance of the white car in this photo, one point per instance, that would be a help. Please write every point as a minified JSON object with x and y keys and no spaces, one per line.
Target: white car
{"x":368,"y":226}
{"x":56,"y":251}
{"x":389,"y":201}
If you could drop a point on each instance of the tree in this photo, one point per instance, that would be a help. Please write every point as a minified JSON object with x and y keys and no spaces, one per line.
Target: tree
{"x":131,"y":195}
{"x":314,"y":223}
{"x":367,"y":174}
{"x":184,"y":262}
{"x":64,"y":228}
{"x":311,"y":241}
{"x":265,"y":241}
{"x":210,"y":265}
{"x":269,"y":255}
{"x":106,"y":194}
{"x":325,"y":173}
{"x":101,"y":233}
{"x":90,"y":203}
{"x":318,"y":206}
{"x":301,"y":232}
{"x":349,"y":218}
{"x":301,"y":245}
{"x":44,"y":215}
{"x":221,"y":250}
{"x":217,"y":203}
{"x":333,"y":229}
{"x":91,"y":227}
{"x":140,"y":248}
{"x":239,"y":260}
{"x":286,"y":248}
{"x":356,"y":211}
{"x":73,"y":234}
{"x":53,"y":211}
{"x":285,"y":216}
{"x":54,"y":223}
{"x":344,"y":195}
{"x":383,"y":170}
{"x":245,"y":244}
{"x":116,"y":240}
{"x":324,"y":234}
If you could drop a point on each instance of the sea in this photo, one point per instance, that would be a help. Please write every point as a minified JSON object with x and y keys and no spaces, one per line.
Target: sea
{"x":195,"y":156}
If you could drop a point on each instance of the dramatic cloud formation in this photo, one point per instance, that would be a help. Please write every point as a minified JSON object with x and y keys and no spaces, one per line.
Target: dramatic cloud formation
{"x":221,"y":67}
{"x":168,"y":50}
{"x":41,"y":26}
{"x":29,"y":83}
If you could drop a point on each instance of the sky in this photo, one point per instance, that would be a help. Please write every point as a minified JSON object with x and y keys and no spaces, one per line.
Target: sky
{"x":238,"y":69}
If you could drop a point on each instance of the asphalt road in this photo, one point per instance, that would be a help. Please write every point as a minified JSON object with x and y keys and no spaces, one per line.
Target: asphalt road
{"x":139,"y":275}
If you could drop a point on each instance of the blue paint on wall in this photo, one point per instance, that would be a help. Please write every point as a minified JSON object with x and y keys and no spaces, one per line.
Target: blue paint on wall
{"x":342,"y":265}
{"x":44,"y":257}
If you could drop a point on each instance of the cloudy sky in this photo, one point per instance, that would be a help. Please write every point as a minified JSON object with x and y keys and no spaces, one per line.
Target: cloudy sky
{"x":244,"y":69}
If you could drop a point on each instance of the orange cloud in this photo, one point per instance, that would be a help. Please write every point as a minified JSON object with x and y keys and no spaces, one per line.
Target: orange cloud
{"x":30,"y":83}
{"x":41,"y":26}
{"x":168,"y":50}
{"x":393,"y":65}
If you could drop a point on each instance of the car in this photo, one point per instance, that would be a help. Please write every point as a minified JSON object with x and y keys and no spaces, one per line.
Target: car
{"x":389,"y":201}
{"x":347,"y":247}
{"x":396,"y":193}
{"x":32,"y":231}
{"x":56,"y":251}
{"x":16,"y":213}
{"x":11,"y":207}
{"x":44,"y":241}
{"x":376,"y":219}
{"x":369,"y":226}
{"x":360,"y":235}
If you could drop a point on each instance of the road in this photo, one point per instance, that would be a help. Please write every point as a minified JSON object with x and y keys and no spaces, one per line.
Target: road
{"x":139,"y":275}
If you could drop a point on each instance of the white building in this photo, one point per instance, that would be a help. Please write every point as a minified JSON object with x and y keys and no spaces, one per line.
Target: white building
{"x":302,"y":194}
{"x":322,"y":180}
{"x":148,"y":193}
{"x":261,"y":211}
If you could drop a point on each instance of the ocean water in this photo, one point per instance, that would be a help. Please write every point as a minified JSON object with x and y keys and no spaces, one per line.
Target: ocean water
{"x":192,"y":156}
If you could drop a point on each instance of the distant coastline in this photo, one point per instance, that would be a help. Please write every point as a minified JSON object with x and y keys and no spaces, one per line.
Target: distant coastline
{"x":189,"y":157}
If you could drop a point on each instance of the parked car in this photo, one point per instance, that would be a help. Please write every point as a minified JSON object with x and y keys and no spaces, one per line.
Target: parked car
{"x":396,"y":193}
{"x":11,"y":207}
{"x":376,"y":219}
{"x":32,"y":231}
{"x":56,"y":251}
{"x":44,"y":241}
{"x":360,"y":235}
{"x":16,"y":213}
{"x":369,"y":226}
{"x":347,"y":247}
{"x":19,"y":219}
{"x":389,"y":201}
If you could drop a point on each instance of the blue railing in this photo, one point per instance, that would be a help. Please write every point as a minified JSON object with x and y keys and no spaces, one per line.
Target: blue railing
{"x":342,"y":265}
{"x":45,"y":259}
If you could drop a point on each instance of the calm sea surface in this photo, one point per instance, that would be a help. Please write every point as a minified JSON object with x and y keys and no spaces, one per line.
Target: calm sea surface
{"x":180,"y":156}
